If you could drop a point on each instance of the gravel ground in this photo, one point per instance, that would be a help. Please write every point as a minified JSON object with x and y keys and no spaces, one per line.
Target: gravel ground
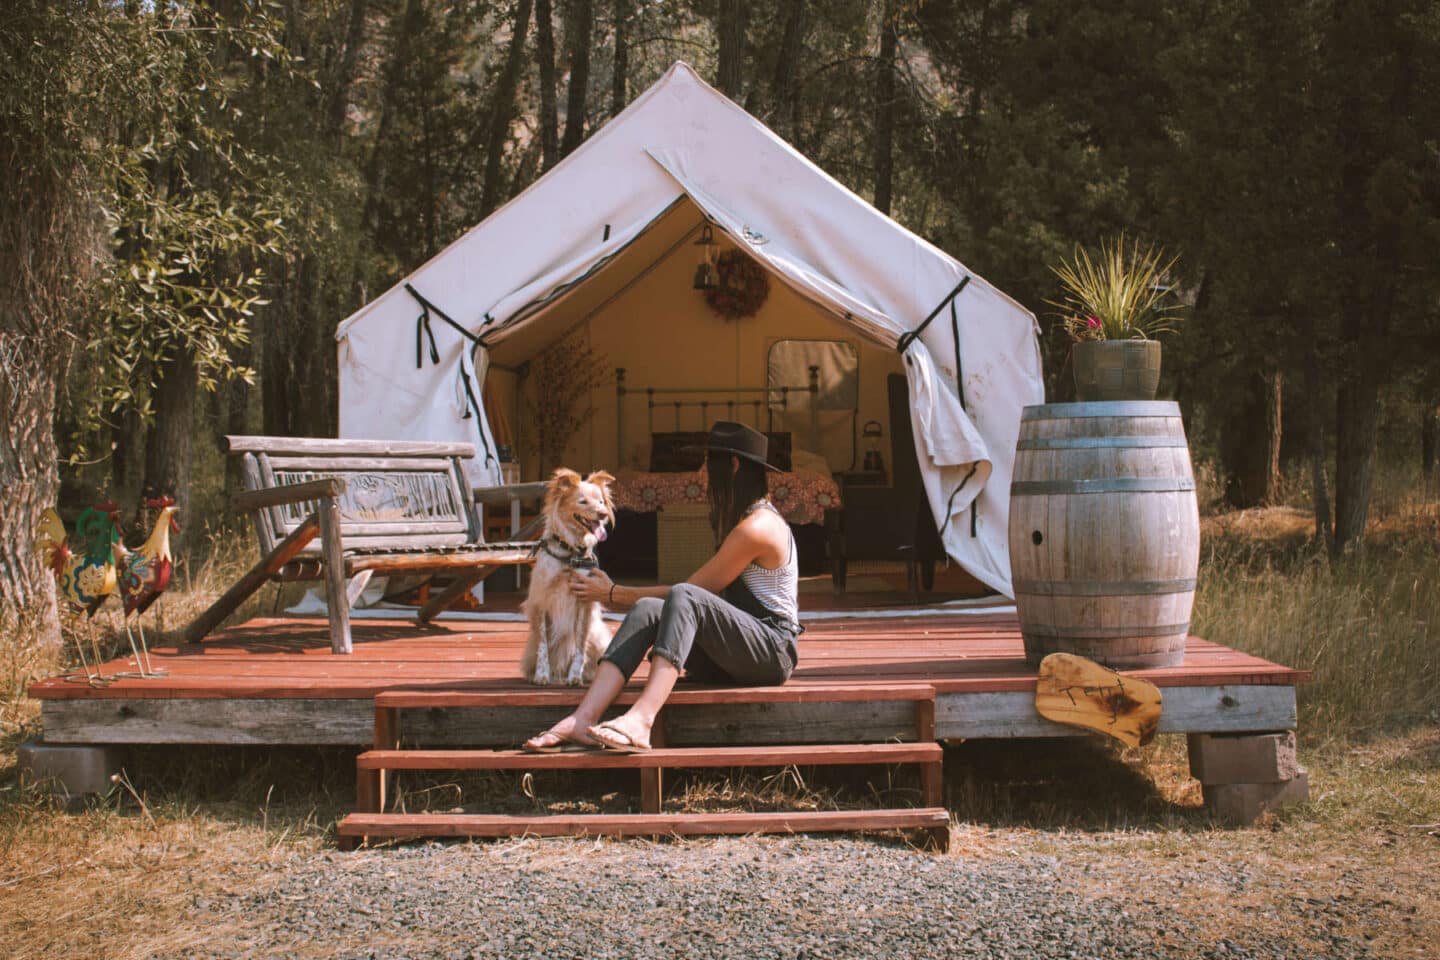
{"x":789,"y":897}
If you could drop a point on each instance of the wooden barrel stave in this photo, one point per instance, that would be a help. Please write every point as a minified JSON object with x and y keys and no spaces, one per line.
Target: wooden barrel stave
{"x":1113,"y":576}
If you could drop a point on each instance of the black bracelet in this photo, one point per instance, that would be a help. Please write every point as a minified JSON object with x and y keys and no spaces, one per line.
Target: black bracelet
{"x":612,"y":594}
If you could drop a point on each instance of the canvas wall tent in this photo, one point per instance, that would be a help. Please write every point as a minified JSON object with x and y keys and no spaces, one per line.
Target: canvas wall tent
{"x":613,"y":217}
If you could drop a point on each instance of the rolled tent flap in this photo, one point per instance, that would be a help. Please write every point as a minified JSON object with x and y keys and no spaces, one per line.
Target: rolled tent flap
{"x":954,"y":463}
{"x":483,"y":470}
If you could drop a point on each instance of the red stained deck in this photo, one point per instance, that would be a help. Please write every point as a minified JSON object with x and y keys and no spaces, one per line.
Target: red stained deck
{"x":287,"y":658}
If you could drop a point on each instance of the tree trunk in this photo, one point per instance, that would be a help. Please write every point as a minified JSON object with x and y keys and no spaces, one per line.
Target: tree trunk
{"x":345,"y":72}
{"x":730,"y":29}
{"x":579,"y":26}
{"x":885,"y":110}
{"x":504,"y":110}
{"x":1250,"y":444}
{"x":1315,"y":445}
{"x":169,"y":453}
{"x":1357,"y":417}
{"x":549,"y":109}
{"x":377,"y":172}
{"x":28,"y":458}
{"x":1429,"y":445}
{"x":786,"y":90}
{"x":620,"y":76}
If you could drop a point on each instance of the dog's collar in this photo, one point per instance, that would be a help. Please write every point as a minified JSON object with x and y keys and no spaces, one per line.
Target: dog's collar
{"x":574,"y":556}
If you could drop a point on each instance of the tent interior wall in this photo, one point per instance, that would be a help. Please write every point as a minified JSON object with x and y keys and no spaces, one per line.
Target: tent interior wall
{"x":640,"y":312}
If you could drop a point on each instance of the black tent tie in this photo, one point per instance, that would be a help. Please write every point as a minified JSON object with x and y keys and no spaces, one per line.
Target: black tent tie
{"x":422,"y":330}
{"x":910,"y":336}
{"x":951,"y":503}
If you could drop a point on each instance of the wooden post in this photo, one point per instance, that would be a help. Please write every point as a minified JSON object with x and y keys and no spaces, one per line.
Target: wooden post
{"x":387,"y":737}
{"x":652,"y":782}
{"x":931,"y":774}
{"x":336,"y":599}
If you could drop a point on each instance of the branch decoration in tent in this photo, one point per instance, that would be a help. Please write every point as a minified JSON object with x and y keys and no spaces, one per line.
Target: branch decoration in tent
{"x":560,"y":402}
{"x":742,"y":289}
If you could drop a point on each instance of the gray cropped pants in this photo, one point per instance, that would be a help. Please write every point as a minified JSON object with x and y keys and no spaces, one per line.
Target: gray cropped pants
{"x":708,"y":637}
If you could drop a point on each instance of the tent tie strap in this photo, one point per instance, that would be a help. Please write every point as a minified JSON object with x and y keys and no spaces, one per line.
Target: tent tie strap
{"x":910,"y":336}
{"x":423,"y":328}
{"x":951,"y":503}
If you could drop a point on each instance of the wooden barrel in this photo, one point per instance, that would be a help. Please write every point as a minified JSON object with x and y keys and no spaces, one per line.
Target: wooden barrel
{"x":1104,"y":532}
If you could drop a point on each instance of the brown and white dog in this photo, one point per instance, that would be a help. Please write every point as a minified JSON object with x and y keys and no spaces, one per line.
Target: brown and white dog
{"x":567,"y":635}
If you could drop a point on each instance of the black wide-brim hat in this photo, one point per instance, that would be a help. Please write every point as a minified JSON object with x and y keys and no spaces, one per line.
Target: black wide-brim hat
{"x":727,"y":436}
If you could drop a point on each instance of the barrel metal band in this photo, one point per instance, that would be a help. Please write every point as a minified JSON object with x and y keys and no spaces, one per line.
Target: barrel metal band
{"x":1102,"y":588}
{"x":1106,"y":633}
{"x":1092,"y":443}
{"x":1037,"y":488}
{"x":1101,"y":408}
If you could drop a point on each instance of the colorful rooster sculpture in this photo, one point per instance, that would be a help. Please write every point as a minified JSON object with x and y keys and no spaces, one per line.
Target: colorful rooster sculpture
{"x":84,"y":572}
{"x":145,"y":573}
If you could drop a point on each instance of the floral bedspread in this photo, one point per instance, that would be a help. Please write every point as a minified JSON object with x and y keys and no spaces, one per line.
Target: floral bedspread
{"x":802,"y":497}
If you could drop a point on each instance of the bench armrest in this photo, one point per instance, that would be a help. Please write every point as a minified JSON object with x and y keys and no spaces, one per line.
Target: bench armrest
{"x":290,"y":493}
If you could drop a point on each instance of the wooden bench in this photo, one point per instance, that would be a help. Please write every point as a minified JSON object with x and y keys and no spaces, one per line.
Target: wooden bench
{"x":343,"y":510}
{"x":372,"y":821}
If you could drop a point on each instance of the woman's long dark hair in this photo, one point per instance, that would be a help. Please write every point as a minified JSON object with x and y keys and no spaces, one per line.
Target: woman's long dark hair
{"x":732,"y":493}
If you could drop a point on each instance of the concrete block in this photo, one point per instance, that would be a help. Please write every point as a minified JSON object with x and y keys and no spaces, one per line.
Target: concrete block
{"x":72,"y":771}
{"x":1240,"y":804}
{"x":1243,"y":758}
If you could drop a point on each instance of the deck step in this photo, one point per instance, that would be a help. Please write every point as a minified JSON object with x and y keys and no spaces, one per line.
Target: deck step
{"x":789,"y":693}
{"x":409,"y":826}
{"x":666,"y":757}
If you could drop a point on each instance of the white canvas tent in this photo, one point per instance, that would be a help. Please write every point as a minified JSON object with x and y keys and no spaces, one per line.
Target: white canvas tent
{"x":576,"y":236}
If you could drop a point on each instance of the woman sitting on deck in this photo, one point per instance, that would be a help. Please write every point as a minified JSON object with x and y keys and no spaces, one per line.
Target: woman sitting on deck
{"x":734,"y":621}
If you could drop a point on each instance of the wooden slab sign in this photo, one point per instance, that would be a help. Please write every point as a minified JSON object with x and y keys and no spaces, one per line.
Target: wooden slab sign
{"x":1081,"y":693}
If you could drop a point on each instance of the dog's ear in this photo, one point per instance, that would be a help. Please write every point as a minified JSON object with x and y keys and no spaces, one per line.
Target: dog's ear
{"x":564,"y":478}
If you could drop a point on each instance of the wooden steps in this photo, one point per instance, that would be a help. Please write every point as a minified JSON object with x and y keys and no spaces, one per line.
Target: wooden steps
{"x":660,"y":757}
{"x":411,"y":826}
{"x":374,"y":768}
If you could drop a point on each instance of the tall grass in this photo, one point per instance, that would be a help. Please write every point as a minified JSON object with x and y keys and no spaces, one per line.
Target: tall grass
{"x":1367,"y":626}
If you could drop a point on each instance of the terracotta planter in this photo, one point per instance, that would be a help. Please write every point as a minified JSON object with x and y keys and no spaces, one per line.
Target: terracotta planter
{"x":1116,"y":369}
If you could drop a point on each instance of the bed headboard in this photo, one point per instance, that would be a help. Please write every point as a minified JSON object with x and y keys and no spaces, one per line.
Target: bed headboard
{"x":683,"y":451}
{"x":678,"y":417}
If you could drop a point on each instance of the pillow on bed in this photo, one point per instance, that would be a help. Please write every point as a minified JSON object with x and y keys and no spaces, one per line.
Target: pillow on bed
{"x":684,"y":451}
{"x":807,"y":461}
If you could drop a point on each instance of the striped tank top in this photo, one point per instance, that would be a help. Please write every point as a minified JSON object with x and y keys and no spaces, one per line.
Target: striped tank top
{"x":778,"y":589}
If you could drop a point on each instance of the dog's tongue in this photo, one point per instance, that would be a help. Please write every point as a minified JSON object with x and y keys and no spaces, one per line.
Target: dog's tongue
{"x":599,"y":531}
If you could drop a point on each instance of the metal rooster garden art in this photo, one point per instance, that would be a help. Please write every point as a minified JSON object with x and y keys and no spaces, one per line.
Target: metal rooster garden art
{"x":144,"y":573}
{"x":84,"y":567}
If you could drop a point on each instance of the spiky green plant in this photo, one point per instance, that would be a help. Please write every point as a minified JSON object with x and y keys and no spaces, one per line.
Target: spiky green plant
{"x":1121,"y":295}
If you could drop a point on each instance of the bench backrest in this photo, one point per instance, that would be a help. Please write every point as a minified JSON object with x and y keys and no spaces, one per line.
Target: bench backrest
{"x":400,"y":493}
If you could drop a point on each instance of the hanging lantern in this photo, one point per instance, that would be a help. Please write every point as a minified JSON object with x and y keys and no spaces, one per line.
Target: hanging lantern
{"x":706,"y":276}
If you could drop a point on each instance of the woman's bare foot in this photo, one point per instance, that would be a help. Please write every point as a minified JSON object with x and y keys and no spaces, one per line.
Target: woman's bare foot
{"x":568,"y":731}
{"x":629,"y":731}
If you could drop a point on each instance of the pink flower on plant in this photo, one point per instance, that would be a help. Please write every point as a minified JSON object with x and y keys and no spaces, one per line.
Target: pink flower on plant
{"x":1092,"y":322}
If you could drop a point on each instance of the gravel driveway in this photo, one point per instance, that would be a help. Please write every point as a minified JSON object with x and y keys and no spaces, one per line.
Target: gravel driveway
{"x":786,"y":897}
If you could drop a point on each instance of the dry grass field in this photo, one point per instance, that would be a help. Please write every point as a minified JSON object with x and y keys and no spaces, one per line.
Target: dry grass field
{"x":1356,"y":871}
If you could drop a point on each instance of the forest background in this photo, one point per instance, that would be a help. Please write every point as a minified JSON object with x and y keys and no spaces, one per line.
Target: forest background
{"x":195,"y":194}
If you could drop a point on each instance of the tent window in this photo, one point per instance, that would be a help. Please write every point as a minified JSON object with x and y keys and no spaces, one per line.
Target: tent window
{"x":829,"y":427}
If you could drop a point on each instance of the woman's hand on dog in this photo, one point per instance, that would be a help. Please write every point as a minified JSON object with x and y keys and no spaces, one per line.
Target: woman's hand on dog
{"x":593,"y":586}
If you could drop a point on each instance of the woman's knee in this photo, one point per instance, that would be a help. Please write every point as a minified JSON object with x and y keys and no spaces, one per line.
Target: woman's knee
{"x":684,"y":593}
{"x":646,"y":609}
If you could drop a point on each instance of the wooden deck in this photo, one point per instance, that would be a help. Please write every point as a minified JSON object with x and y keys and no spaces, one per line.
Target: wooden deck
{"x":275,"y":681}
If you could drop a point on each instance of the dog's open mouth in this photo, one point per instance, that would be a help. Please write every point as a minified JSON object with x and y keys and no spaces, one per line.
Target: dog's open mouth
{"x":594,"y":525}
